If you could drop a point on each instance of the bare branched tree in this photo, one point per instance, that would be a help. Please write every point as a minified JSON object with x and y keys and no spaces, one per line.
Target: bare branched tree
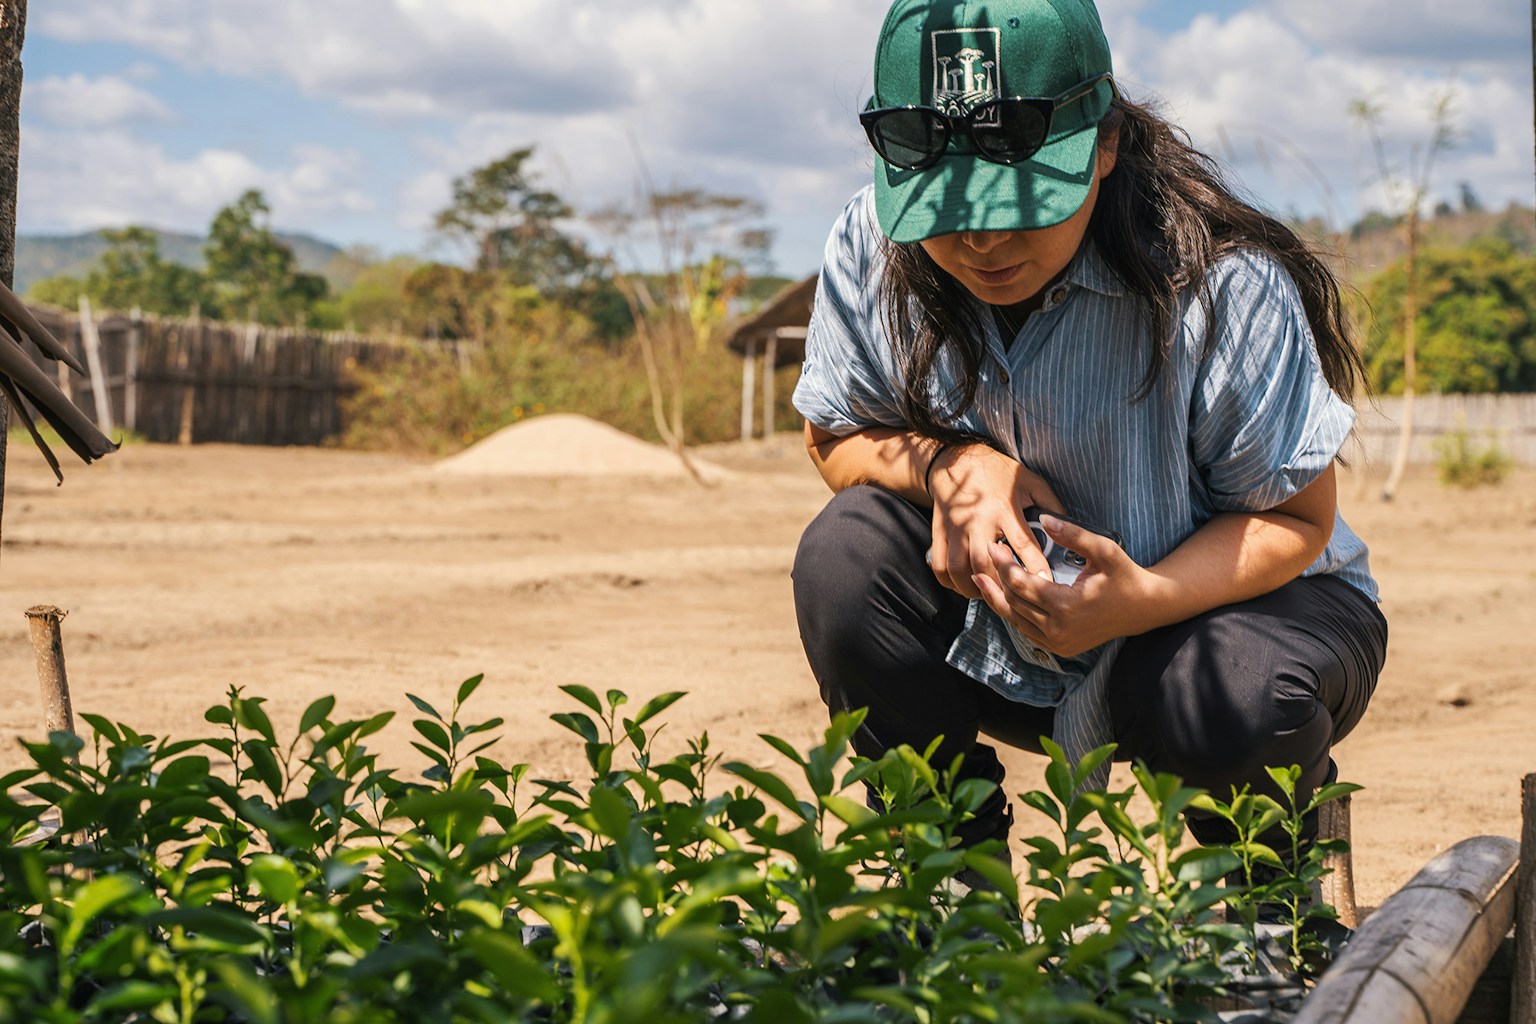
{"x":1406,"y":191}
{"x":700,"y":247}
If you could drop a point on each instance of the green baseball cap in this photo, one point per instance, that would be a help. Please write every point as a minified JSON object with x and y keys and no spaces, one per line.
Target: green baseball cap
{"x":954,"y":56}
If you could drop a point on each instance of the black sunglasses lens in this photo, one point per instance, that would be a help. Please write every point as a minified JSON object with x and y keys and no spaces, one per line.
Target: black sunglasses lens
{"x":1009,"y":131}
{"x":908,"y":138}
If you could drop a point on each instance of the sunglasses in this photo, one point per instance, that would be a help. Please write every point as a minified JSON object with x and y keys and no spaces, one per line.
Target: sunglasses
{"x":1006,"y":131}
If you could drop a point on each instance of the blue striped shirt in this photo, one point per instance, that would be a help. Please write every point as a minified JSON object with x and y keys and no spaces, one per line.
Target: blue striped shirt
{"x":1238,"y":428}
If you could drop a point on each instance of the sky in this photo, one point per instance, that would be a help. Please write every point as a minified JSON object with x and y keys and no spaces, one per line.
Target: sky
{"x":353,"y":117}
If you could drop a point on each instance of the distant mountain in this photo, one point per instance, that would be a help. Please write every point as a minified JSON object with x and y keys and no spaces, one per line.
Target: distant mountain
{"x":40,"y":256}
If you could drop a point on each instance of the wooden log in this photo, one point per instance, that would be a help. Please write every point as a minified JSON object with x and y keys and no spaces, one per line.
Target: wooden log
{"x":1522,"y":1007}
{"x":48,"y":644}
{"x":1416,"y":959}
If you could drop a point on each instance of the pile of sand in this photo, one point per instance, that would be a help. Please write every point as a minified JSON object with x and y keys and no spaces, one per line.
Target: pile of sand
{"x":563,"y":444}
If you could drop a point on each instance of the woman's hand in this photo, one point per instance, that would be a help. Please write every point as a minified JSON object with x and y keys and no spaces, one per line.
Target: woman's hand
{"x":979,"y":496}
{"x":1110,"y":599}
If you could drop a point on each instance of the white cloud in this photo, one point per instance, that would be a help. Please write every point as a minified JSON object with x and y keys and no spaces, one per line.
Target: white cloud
{"x":76,"y":101}
{"x":77,"y":181}
{"x":727,"y":96}
{"x":761,"y":99}
{"x":1464,"y":34}
{"x":1253,"y":90}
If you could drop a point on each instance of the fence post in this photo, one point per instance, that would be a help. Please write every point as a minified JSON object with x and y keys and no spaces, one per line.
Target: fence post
{"x":770,"y":362}
{"x":194,"y":335}
{"x":131,"y":370}
{"x":748,"y":386}
{"x":92,"y":342}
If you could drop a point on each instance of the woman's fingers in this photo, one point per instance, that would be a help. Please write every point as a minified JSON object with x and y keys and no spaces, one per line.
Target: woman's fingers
{"x":1102,"y":553}
{"x":952,"y":563}
{"x":1025,"y":551}
{"x":1028,"y":618}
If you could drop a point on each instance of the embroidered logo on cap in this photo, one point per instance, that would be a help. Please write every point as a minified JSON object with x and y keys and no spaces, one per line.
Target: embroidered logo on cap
{"x":966,"y":69}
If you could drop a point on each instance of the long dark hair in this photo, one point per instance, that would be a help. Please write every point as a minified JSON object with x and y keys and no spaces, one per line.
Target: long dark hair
{"x":1163,"y":217}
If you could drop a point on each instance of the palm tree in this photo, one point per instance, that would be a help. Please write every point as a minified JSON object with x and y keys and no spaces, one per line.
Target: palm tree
{"x":13,"y":29}
{"x":18,"y":374}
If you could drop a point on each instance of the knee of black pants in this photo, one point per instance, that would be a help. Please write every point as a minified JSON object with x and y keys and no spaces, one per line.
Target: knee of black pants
{"x":1214,"y":702}
{"x":877,"y":626}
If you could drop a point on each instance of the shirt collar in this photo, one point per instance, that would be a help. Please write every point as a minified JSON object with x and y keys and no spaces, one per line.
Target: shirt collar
{"x":1089,"y":270}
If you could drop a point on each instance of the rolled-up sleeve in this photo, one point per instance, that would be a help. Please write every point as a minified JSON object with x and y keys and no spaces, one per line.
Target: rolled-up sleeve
{"x":1263,"y":421}
{"x":848,"y":380}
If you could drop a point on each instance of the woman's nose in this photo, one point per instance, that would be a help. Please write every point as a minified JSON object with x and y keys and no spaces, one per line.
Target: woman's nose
{"x":983,"y":241}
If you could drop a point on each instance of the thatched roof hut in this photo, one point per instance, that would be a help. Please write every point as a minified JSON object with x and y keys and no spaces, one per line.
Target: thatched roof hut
{"x":776,"y":333}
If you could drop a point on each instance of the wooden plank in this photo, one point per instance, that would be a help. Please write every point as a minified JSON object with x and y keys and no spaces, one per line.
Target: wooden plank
{"x":1418,"y":957}
{"x":1522,"y":1007}
{"x":265,"y":371}
{"x":92,"y":343}
{"x":131,"y":371}
{"x":243,"y":395}
{"x":190,"y":337}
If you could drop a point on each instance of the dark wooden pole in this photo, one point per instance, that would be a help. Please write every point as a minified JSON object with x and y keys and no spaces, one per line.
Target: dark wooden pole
{"x":13,"y":30}
{"x":1522,"y":1007}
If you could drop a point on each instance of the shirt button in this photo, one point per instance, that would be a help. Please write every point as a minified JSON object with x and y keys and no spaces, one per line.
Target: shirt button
{"x":1059,"y":294}
{"x":1004,"y":376}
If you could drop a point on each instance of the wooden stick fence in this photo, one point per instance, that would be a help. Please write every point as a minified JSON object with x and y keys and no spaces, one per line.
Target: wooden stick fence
{"x":195,"y":380}
{"x":1508,"y":420}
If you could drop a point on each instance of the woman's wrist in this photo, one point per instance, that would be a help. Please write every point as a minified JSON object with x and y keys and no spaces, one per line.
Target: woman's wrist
{"x":933,"y":462}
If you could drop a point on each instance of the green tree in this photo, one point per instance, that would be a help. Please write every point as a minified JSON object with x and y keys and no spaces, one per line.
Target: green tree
{"x":132,"y":273}
{"x":512,"y":229}
{"x":61,"y":290}
{"x":1475,"y":322}
{"x":373,"y":302}
{"x":511,"y":226}
{"x":254,"y":275}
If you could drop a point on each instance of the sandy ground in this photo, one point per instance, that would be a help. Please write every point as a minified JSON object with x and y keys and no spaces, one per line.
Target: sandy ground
{"x":300,"y":572}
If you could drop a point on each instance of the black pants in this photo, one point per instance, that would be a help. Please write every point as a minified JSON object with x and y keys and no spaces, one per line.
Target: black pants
{"x":1274,"y":681}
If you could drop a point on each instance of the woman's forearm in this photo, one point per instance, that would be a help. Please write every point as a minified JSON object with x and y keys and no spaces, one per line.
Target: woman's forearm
{"x":1238,"y":556}
{"x":895,"y":459}
{"x":1232,"y":558}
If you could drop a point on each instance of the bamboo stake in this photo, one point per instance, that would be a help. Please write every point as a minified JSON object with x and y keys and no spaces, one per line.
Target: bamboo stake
{"x":1339,"y":884}
{"x":1522,"y":1007}
{"x":48,"y":644}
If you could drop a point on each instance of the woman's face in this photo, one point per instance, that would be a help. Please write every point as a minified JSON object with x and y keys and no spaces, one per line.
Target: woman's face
{"x":1005,"y":268}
